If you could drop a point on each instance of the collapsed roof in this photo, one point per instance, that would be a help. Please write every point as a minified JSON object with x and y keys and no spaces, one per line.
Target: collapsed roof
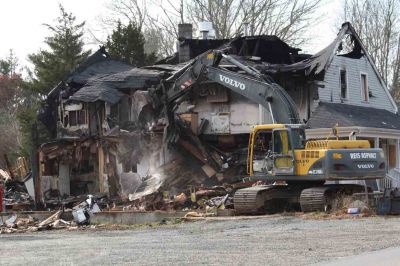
{"x":347,"y":43}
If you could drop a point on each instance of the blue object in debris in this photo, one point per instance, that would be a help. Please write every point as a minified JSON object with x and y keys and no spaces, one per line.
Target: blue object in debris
{"x":353,"y":210}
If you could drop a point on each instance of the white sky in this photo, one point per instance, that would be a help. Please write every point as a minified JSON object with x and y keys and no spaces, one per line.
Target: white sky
{"x":22,"y":23}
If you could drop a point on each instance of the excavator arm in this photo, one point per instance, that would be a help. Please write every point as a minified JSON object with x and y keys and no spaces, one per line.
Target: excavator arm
{"x":252,"y":85}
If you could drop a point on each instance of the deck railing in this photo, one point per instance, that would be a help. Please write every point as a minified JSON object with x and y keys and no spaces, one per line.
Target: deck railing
{"x":391,"y":180}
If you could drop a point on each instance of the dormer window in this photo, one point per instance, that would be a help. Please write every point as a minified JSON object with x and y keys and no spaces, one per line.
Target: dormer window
{"x":343,"y":84}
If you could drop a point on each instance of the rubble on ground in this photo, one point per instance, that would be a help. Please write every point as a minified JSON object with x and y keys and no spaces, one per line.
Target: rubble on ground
{"x":16,"y":196}
{"x":4,"y":175}
{"x":83,"y":211}
{"x":15,"y":223}
{"x":61,"y":219}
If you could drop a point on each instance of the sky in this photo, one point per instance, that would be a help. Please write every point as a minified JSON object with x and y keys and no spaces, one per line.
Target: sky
{"x":22,"y":23}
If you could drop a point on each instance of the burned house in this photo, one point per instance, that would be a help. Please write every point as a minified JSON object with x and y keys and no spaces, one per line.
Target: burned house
{"x":83,"y":114}
{"x":112,"y":133}
{"x":336,"y":87}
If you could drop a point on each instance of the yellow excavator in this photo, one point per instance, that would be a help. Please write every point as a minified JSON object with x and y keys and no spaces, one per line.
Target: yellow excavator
{"x":278,"y":151}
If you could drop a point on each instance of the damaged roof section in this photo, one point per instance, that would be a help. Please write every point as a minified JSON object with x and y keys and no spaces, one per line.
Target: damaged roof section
{"x":347,"y":43}
{"x":98,"y":64}
{"x":97,"y":92}
{"x":107,"y":88}
{"x":136,"y":78}
{"x":267,"y":48}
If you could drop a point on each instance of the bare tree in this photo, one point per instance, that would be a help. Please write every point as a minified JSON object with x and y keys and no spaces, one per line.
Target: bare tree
{"x":164,"y":24}
{"x":287,"y":19}
{"x":376,"y":22}
{"x":223,"y":14}
{"x":131,"y":11}
{"x":396,"y":74}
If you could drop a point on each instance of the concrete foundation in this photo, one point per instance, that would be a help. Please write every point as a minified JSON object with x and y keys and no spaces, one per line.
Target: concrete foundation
{"x":130,"y":218}
{"x":107,"y":217}
{"x":38,"y":215}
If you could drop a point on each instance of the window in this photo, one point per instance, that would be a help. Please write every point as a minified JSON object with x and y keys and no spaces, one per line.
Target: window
{"x":364,"y":87}
{"x":262,"y":155}
{"x":298,"y":137}
{"x":77,"y":118}
{"x":343,"y":84}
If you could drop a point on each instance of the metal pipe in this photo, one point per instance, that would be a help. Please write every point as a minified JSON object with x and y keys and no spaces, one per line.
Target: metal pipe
{"x":246,"y":28}
{"x":245,"y":68}
{"x":272,"y":114}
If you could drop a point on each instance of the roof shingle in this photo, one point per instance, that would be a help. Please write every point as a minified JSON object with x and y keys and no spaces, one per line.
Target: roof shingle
{"x":328,"y":114}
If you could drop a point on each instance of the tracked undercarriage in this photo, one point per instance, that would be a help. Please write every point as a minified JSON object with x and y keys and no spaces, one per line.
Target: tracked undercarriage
{"x":278,"y":198}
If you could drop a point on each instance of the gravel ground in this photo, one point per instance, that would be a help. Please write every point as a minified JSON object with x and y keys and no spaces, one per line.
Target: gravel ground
{"x":271,"y":240}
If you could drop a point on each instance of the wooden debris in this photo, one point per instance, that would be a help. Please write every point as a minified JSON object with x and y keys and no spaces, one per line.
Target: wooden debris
{"x":51,"y":219}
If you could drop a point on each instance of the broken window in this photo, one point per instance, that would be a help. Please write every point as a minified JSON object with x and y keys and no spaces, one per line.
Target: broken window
{"x":75,"y":114}
{"x":364,"y":87}
{"x":343,"y":84}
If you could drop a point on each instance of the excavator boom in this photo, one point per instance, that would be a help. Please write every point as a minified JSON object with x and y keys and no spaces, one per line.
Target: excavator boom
{"x":253,"y":86}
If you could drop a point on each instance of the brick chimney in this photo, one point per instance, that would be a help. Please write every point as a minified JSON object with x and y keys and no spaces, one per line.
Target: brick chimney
{"x":185,"y":31}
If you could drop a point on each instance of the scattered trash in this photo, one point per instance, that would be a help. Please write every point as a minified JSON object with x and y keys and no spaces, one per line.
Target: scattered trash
{"x":4,"y":175}
{"x":10,"y":221}
{"x":16,"y":196}
{"x":220,"y":202}
{"x":360,"y":205}
{"x":193,"y":214}
{"x":83,"y":211}
{"x":353,"y":210}
{"x":181,"y":198}
{"x":19,"y":224}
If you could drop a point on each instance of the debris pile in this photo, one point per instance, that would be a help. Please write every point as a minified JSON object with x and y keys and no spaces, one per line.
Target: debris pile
{"x":83,"y":211}
{"x":16,"y":196}
{"x":14,"y":224}
{"x":69,"y":219}
{"x":199,"y":198}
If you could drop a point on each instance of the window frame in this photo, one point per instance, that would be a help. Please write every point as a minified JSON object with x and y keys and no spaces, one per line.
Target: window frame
{"x":364,"y":90}
{"x":346,"y":83}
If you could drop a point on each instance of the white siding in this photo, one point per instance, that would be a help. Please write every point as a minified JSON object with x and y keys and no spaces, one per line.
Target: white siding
{"x":243,"y":114}
{"x":354,"y":67}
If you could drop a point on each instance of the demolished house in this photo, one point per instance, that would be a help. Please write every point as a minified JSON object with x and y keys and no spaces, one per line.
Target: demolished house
{"x":112,"y":133}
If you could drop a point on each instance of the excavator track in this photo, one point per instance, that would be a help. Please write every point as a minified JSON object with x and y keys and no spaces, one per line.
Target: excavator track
{"x":265,"y":199}
{"x":277,"y":198}
{"x":322,"y":198}
{"x":314,"y":199}
{"x":250,"y":200}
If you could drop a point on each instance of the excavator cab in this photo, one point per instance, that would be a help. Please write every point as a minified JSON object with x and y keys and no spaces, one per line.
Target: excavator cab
{"x":283,"y":153}
{"x":271,"y":149}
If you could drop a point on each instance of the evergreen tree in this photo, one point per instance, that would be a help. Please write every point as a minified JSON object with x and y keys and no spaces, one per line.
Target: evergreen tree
{"x":50,"y":66}
{"x":8,"y":65}
{"x":65,"y":51}
{"x":10,"y":104}
{"x":126,"y":43}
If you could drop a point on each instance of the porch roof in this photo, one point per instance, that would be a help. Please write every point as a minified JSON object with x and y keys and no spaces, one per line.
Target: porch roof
{"x":327,"y":115}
